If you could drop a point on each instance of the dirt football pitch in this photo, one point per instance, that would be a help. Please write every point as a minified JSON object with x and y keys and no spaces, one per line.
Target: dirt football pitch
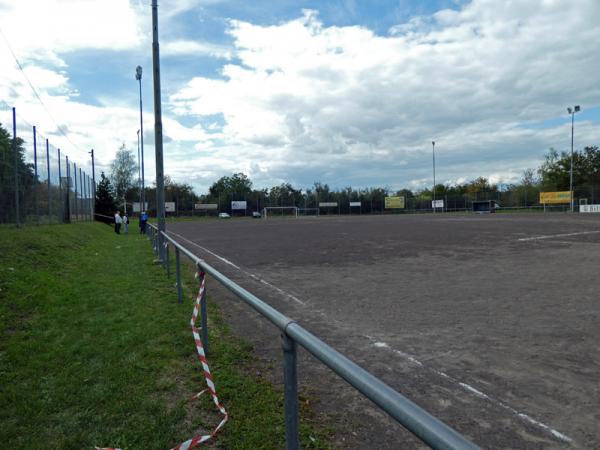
{"x":489,"y":322}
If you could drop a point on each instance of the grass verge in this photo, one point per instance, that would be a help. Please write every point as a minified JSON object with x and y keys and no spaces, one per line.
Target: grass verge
{"x":94,"y":350}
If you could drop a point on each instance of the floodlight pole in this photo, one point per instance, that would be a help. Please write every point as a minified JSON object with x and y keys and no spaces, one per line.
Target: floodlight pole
{"x":158,"y":134}
{"x":138,"y":76}
{"x":572,"y":112}
{"x":433,"y":146}
{"x":142,"y":206}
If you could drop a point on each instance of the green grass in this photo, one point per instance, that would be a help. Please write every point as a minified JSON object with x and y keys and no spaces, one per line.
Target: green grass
{"x":94,"y":350}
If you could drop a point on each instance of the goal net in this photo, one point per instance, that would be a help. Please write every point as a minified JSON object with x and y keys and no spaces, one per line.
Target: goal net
{"x":280,"y":211}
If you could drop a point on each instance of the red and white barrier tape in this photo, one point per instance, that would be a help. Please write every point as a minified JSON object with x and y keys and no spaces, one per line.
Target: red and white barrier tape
{"x":199,"y":439}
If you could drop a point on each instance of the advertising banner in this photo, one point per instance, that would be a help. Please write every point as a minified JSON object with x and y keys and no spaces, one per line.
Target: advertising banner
{"x":394,"y":202}
{"x":136,"y":207}
{"x":437,"y":204}
{"x":238,"y":204}
{"x":327,"y":204}
{"x":589,"y":208}
{"x":353,"y":204}
{"x":548,"y":198}
{"x":169,"y":206}
{"x":205,"y":206}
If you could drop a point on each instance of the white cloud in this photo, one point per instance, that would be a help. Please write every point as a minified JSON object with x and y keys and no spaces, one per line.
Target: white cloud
{"x":345,"y":101}
{"x":192,"y":48}
{"x":37,"y":29}
{"x":299,"y":101}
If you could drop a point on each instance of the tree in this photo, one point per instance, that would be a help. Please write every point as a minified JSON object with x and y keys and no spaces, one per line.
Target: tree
{"x":24,"y":171}
{"x":237,"y":184}
{"x":123,"y":169}
{"x":105,"y":201}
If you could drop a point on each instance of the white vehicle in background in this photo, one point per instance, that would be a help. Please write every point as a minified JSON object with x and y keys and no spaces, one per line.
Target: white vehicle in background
{"x":256,"y":214}
{"x":224,"y":216}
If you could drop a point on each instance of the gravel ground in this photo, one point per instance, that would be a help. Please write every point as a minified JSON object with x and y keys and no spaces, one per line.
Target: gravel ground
{"x":489,"y":322}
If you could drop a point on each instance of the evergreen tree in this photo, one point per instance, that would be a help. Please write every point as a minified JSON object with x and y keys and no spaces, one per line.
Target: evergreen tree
{"x":105,"y":200}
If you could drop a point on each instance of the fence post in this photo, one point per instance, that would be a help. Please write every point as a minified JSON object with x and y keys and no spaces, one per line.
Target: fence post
{"x":92,"y":199}
{"x":48,"y":173}
{"x":167,"y":258}
{"x":290,"y":379}
{"x":60,"y":199}
{"x":204,"y":316}
{"x":178,"y":270}
{"x":16,"y":170}
{"x":81,"y":195}
{"x":86,"y":200}
{"x":35,"y":179}
{"x":75,"y":181}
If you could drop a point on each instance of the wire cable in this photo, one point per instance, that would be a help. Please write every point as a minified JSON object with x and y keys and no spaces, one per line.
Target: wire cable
{"x":35,"y":91}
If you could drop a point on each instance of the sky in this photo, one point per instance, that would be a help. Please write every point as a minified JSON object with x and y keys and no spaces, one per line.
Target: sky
{"x":347,"y":92}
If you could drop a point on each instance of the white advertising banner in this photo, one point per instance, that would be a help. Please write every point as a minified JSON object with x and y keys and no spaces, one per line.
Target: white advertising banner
{"x":589,"y":208}
{"x":136,"y":207}
{"x":352,"y":204}
{"x":437,"y":204}
{"x":205,"y":206}
{"x":328,"y":205}
{"x":169,"y":206}
{"x":238,"y":204}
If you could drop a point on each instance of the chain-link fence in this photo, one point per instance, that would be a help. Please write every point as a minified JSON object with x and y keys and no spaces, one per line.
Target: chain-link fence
{"x":38,"y":181}
{"x":520,"y":198}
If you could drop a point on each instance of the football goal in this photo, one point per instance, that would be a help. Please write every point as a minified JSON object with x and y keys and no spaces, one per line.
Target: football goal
{"x":280,"y":211}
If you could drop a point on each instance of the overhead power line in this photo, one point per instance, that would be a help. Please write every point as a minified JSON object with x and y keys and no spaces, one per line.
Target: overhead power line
{"x":35,"y":91}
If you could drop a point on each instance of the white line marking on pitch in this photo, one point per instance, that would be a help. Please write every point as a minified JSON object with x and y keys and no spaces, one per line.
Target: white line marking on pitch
{"x":251,"y":275}
{"x":551,"y":236}
{"x":474,"y":391}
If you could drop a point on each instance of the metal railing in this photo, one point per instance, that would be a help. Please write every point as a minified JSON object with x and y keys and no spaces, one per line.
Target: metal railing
{"x":423,"y":425}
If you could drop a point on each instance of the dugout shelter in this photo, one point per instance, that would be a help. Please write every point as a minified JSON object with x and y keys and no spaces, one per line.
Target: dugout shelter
{"x":485,"y":206}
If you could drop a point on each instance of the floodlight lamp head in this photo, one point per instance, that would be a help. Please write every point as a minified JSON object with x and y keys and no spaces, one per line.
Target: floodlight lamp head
{"x":432,"y":142}
{"x":577,"y":108}
{"x":138,"y":73}
{"x":570,"y":111}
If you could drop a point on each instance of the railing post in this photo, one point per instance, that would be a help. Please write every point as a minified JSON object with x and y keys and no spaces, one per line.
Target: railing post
{"x":178,"y":271}
{"x":167,"y":262}
{"x":290,"y":379}
{"x":204,"y":314}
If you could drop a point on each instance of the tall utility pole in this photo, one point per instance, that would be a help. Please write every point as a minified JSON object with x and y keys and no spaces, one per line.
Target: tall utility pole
{"x":158,"y":134}
{"x":138,"y":76}
{"x":434,"y":204}
{"x":93,"y":183}
{"x":572,"y":112}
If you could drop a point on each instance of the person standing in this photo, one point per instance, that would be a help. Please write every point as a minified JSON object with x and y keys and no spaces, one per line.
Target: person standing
{"x":126,"y":223}
{"x":118,"y":222}
{"x":143,"y":220}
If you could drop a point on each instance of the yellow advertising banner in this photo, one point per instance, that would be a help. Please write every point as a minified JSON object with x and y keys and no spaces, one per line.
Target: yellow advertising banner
{"x":555,"y":197}
{"x":394,"y":202}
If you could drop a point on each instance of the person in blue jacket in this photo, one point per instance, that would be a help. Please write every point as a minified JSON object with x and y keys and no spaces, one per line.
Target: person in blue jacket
{"x":143,"y":220}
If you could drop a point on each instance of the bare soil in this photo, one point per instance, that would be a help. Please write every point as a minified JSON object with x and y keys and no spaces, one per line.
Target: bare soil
{"x":489,"y":322}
